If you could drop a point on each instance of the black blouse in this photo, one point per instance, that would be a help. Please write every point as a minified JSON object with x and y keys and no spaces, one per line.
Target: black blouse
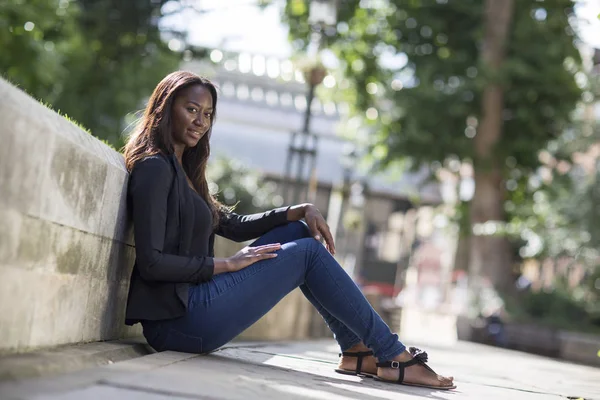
{"x":202,"y":226}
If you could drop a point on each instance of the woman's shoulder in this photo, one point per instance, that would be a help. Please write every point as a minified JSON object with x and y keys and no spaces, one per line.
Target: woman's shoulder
{"x":155,"y":162}
{"x":156,"y":167}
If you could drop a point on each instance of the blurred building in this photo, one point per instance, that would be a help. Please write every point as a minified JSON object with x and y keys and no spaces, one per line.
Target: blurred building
{"x":263,"y":101}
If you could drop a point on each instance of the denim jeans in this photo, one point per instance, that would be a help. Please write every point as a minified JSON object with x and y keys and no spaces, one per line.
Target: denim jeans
{"x":225,"y":306}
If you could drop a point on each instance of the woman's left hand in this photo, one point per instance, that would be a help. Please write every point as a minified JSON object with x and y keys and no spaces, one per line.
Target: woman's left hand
{"x":318,"y":226}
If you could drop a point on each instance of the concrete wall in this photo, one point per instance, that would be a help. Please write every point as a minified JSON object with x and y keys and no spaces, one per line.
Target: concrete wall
{"x":65,"y":243}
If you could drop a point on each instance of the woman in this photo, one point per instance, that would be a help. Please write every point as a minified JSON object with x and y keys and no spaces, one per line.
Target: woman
{"x":188,"y":300}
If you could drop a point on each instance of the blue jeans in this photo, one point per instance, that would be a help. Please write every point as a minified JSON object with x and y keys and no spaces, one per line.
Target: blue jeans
{"x":225,"y":306}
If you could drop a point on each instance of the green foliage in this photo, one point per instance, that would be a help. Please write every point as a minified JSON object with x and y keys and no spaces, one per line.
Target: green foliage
{"x":95,"y":60}
{"x":548,"y":304}
{"x":561,"y":213}
{"x":35,"y":39}
{"x":241,"y":188}
{"x":556,"y":308}
{"x":558,"y":220}
{"x":591,"y":288}
{"x":422,"y":57}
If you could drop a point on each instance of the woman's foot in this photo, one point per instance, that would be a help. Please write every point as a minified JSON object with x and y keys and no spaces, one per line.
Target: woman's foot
{"x":368,"y":362}
{"x":416,"y":374}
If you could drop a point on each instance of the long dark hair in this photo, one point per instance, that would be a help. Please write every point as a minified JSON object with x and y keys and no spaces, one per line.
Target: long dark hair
{"x":153,"y":134}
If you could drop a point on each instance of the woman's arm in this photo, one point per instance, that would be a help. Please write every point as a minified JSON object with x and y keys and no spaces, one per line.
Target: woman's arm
{"x":246,"y":227}
{"x":240,"y":228}
{"x":297,"y":212}
{"x":150,"y":183}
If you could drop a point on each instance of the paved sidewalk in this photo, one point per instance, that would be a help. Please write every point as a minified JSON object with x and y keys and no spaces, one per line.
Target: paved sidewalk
{"x":304,"y":370}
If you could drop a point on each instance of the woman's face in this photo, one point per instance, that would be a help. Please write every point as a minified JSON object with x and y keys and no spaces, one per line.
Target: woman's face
{"x":191,"y":115}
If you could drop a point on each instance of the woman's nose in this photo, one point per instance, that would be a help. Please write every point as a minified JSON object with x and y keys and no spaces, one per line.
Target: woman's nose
{"x":200,"y":122}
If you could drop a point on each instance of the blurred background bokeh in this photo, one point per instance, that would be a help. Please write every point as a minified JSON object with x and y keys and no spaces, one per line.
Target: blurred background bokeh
{"x":453,"y":146}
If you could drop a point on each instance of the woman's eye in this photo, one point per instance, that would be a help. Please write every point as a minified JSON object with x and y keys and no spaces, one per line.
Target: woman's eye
{"x":208,"y":115}
{"x":192,"y":109}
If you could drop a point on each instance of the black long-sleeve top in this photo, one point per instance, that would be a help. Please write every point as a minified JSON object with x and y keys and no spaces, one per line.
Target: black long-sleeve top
{"x":174,"y":238}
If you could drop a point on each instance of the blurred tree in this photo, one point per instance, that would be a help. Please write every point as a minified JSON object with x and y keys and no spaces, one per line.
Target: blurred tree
{"x":556,"y":211}
{"x":94,"y":60}
{"x":490,"y":256}
{"x":241,"y":188}
{"x":35,"y":40}
{"x":440,"y":79}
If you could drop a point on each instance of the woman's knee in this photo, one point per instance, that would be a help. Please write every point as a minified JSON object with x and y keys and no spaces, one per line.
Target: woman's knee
{"x":316,"y":251}
{"x":310,"y":245}
{"x":298,"y":230}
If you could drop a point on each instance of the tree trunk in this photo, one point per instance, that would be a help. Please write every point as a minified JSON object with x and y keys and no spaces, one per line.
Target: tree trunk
{"x":463,"y":252}
{"x":490,"y":256}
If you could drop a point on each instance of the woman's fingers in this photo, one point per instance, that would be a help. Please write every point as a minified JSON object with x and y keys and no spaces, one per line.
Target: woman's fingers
{"x":249,"y":255}
{"x":267,"y":248}
{"x":328,"y":238}
{"x":320,"y":230}
{"x":265,"y":256}
{"x":267,"y":251}
{"x":312,"y":227}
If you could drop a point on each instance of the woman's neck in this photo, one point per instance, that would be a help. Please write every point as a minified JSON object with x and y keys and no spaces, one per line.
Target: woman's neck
{"x":178,"y":150}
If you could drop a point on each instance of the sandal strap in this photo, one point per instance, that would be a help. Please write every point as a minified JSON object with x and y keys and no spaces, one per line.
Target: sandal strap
{"x":400,"y":366}
{"x":419,"y":357}
{"x":356,"y":354}
{"x":397,"y":364}
{"x":360,"y":355}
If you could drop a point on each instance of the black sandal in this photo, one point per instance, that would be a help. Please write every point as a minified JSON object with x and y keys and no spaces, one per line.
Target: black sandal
{"x":358,"y":372}
{"x":419,"y":357}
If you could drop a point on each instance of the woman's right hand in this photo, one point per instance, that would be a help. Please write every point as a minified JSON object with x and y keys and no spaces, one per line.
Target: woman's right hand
{"x":249,"y":255}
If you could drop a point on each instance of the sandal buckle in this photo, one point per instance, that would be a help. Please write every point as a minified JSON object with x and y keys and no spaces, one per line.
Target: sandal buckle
{"x":395,"y":364}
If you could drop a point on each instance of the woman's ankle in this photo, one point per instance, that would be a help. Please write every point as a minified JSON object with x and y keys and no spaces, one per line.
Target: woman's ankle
{"x":358,"y":347}
{"x":402,"y":357}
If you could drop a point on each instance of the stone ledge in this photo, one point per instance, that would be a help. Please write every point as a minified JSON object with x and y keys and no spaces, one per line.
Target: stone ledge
{"x":576,"y":347}
{"x":580,"y":347}
{"x":66,"y":243}
{"x":70,"y":358}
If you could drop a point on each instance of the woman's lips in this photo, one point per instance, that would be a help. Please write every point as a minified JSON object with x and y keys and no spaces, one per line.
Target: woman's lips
{"x":195,"y":133}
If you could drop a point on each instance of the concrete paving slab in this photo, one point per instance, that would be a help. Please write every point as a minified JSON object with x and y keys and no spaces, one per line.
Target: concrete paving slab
{"x":102,"y":392}
{"x":64,"y":359}
{"x":305,"y":370}
{"x":31,"y":388}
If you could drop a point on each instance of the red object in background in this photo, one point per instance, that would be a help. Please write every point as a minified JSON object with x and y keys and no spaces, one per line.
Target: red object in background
{"x":385,"y":289}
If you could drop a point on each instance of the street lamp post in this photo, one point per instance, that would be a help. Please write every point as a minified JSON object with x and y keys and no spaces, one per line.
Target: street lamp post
{"x":303,"y":144}
{"x":348,"y":161}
